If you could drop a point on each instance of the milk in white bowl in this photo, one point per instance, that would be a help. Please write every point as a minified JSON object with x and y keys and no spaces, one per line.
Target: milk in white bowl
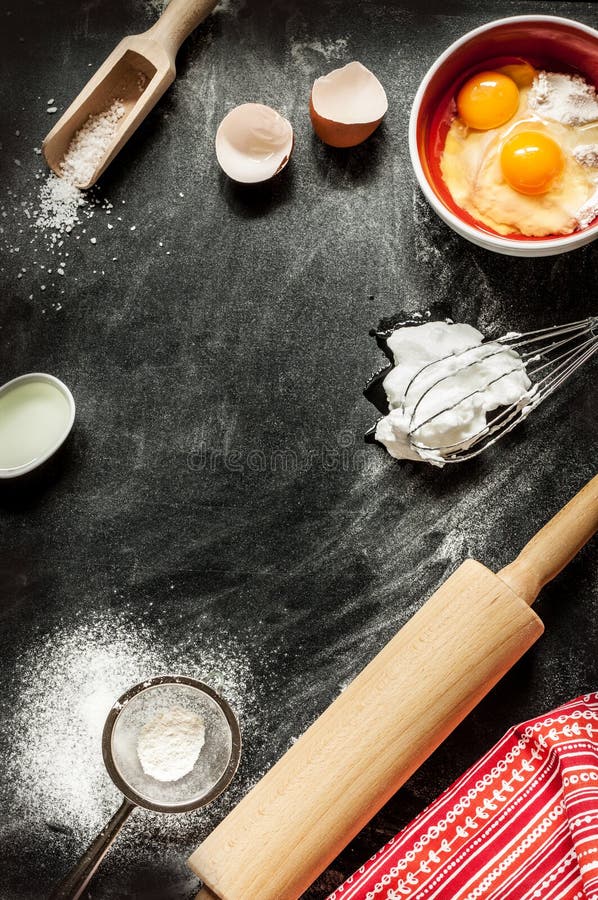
{"x":37,"y":412}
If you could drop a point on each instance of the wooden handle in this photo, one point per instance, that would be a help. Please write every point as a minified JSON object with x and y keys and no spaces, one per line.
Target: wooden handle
{"x":554,"y":545}
{"x":178,"y":20}
{"x":285,"y":832}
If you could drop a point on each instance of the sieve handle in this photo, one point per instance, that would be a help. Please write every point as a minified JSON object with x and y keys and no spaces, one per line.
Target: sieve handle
{"x":72,"y":885}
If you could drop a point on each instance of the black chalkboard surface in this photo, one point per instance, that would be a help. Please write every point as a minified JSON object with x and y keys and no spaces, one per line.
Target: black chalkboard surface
{"x":215,"y":510}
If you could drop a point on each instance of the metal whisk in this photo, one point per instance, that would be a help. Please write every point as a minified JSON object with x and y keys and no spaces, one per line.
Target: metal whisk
{"x":549,"y":356}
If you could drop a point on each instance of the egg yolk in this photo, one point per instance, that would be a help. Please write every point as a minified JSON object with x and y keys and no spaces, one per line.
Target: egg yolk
{"x":530,"y":162}
{"x":487,"y":100}
{"x":522,"y":73}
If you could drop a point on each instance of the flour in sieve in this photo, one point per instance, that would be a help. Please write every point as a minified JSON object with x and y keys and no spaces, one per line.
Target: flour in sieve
{"x":169,"y":745}
{"x":64,"y":687}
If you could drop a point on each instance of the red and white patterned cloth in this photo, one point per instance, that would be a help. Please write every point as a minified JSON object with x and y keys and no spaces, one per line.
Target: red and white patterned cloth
{"x":521,"y":824}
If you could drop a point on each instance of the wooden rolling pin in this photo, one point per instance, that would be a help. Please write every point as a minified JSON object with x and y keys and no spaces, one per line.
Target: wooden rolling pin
{"x":360,"y":751}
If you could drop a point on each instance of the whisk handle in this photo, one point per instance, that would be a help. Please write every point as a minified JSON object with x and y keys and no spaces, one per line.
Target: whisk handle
{"x":554,"y":545}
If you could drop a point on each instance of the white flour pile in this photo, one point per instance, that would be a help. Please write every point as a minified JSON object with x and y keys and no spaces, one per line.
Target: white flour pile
{"x":169,"y":745}
{"x":588,"y":212}
{"x":568,"y":99}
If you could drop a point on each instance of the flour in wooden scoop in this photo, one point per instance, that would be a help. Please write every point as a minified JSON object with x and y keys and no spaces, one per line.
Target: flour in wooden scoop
{"x":89,"y":144}
{"x":60,"y":196}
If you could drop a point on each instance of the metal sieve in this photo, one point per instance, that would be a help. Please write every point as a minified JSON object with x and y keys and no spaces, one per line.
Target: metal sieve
{"x":211,"y":774}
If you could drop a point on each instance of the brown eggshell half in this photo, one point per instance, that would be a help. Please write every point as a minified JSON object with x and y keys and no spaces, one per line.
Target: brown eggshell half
{"x":347,"y":105}
{"x":337,"y":134}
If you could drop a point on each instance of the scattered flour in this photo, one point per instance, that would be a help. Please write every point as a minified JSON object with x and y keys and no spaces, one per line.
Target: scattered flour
{"x":62,"y":691}
{"x":156,"y":7}
{"x":59,"y":204}
{"x":305,"y":53}
{"x":60,"y":198}
{"x":228,"y":7}
{"x":169,"y":745}
{"x":568,"y":99}
{"x":223,"y":7}
{"x":42,"y":215}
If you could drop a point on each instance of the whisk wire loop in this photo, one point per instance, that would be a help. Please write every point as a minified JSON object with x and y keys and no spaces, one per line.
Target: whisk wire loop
{"x":550,"y":357}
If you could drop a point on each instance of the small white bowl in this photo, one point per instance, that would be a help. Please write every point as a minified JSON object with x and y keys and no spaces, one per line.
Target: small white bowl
{"x":552,"y":38}
{"x":37,"y":460}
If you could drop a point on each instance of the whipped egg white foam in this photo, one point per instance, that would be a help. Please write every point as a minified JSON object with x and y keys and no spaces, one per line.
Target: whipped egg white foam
{"x":443,"y":383}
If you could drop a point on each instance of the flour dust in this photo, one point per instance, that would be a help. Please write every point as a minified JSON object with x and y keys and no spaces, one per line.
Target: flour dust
{"x":63,"y":689}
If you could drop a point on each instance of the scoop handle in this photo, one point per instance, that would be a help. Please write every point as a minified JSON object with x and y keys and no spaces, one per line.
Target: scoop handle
{"x":74,"y":883}
{"x":178,"y":20}
{"x":554,"y":545}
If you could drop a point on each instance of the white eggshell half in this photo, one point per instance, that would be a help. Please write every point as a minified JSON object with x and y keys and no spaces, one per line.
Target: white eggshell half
{"x":350,"y":96}
{"x":253,"y":143}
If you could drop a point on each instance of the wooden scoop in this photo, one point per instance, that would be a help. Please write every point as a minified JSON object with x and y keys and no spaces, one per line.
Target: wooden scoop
{"x":137,"y":73}
{"x":316,"y":798}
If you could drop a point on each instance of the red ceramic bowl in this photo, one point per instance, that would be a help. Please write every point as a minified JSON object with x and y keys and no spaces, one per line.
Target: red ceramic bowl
{"x":547,"y":42}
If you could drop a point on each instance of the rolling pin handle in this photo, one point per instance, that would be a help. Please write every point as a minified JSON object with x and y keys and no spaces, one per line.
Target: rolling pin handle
{"x":555,"y":545}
